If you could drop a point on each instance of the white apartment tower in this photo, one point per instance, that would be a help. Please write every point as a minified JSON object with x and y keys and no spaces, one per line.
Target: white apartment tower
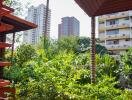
{"x":37,"y":15}
{"x":115,"y":31}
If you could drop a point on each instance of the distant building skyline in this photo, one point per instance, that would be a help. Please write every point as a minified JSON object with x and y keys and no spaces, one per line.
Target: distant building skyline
{"x":70,"y":26}
{"x":62,"y":8}
{"x":37,"y":15}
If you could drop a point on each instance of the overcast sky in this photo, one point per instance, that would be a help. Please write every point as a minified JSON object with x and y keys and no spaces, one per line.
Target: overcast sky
{"x":62,"y":8}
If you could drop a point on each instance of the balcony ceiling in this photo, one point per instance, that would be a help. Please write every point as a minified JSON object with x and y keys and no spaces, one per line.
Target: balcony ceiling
{"x":101,"y":7}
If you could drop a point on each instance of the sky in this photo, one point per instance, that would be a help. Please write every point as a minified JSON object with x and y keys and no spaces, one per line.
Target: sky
{"x":63,"y":8}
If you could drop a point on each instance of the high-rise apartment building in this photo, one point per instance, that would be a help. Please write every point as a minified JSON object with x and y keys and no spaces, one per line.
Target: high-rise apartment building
{"x":69,"y":26}
{"x":115,"y":31}
{"x":37,"y":15}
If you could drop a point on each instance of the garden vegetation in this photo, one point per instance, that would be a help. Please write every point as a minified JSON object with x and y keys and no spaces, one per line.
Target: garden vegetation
{"x":60,"y":70}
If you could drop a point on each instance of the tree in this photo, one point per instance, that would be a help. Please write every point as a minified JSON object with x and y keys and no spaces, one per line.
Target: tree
{"x":84,"y":41}
{"x":64,"y":75}
{"x":126,"y":62}
{"x":68,"y":43}
{"x":24,"y":53}
{"x":16,"y":5}
{"x":101,"y":49}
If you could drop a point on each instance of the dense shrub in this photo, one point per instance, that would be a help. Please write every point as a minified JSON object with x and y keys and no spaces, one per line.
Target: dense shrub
{"x":65,"y":75}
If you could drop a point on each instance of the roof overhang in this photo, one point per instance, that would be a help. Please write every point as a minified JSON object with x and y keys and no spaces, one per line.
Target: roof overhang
{"x":101,"y":7}
{"x":10,"y":23}
{"x":18,"y":23}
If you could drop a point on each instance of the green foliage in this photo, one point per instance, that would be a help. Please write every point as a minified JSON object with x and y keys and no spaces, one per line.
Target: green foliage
{"x":16,"y":5}
{"x":68,"y":44}
{"x":61,"y":78}
{"x":84,"y":42}
{"x":127,"y":58}
{"x":107,"y":65}
{"x":126,"y":61}
{"x":101,"y":50}
{"x":24,"y":53}
{"x":56,"y":72}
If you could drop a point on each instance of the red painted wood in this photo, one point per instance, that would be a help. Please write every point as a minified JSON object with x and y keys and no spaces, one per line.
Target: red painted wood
{"x":1,"y":1}
{"x":8,"y":8}
{"x":2,"y":51}
{"x":2,"y":95}
{"x":3,"y":45}
{"x":5,"y":9}
{"x":3,"y":98}
{"x":101,"y":7}
{"x":2,"y":64}
{"x":17,"y":23}
{"x":4,"y":83}
{"x":8,"y":90}
{"x":5,"y":27}
{"x":10,"y":24}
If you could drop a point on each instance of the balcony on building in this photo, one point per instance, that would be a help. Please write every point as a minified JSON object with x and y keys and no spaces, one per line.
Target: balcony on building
{"x":117,"y":36}
{"x":115,"y":16}
{"x":118,"y":26}
{"x":120,"y":46}
{"x":102,"y":18}
{"x":101,"y":26}
{"x":102,"y":36}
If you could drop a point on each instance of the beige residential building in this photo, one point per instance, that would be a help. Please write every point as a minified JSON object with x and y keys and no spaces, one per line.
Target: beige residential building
{"x":115,"y":31}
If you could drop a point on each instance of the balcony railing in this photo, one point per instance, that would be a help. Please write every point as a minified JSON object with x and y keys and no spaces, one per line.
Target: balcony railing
{"x":101,"y":28}
{"x":119,"y":47}
{"x":102,"y":36}
{"x":118,"y":26}
{"x":102,"y":18}
{"x":114,"y":16}
{"x":117,"y":36}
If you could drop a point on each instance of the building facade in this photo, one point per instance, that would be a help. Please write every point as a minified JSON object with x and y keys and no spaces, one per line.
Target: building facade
{"x":69,"y":26}
{"x":37,"y":15}
{"x":115,"y":31}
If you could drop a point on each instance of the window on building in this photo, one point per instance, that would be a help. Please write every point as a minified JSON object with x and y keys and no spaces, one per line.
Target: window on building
{"x":109,"y":42}
{"x":112,"y":32}
{"x":127,"y":18}
{"x":101,"y":22}
{"x":114,"y":42}
{"x":127,"y":40}
{"x":112,"y":22}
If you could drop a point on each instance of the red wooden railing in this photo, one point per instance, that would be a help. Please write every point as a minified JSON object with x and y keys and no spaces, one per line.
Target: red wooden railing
{"x":4,"y":10}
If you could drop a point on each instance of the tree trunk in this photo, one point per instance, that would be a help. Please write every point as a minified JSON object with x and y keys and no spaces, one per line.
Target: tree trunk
{"x":46,"y":22}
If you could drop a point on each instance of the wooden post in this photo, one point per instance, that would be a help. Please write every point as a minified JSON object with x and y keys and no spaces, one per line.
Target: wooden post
{"x":13,"y":42}
{"x":93,"y":47}
{"x":2,"y":51}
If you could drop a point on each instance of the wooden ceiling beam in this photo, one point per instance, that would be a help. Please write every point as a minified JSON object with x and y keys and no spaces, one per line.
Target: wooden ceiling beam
{"x":101,"y":7}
